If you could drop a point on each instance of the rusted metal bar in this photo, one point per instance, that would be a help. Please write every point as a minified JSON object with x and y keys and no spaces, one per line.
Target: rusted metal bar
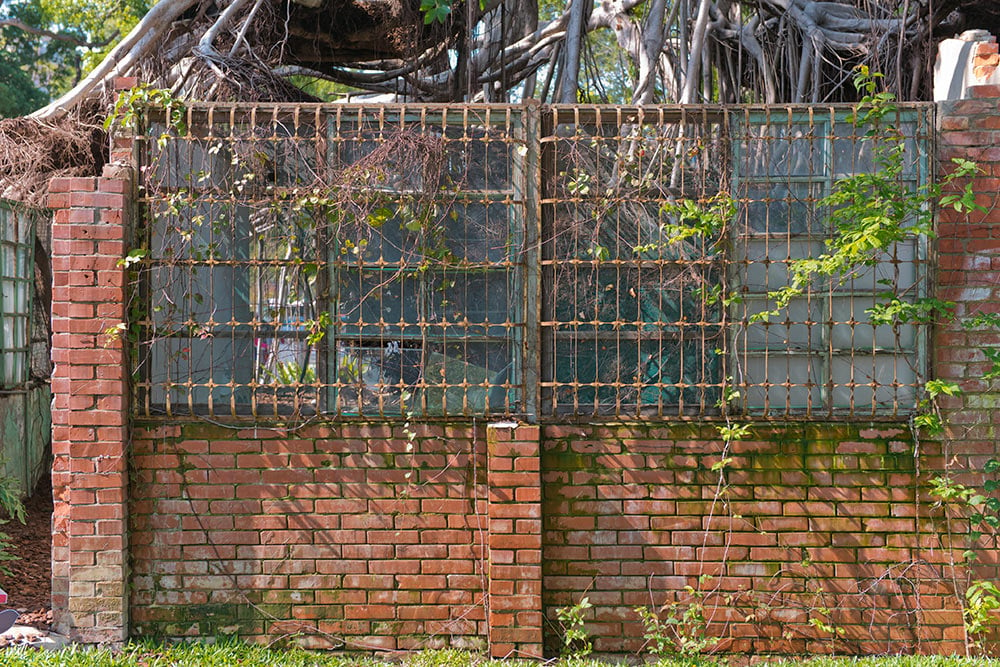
{"x":436,"y":261}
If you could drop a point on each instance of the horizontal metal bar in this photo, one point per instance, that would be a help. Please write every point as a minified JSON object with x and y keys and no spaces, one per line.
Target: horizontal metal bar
{"x":605,"y":175}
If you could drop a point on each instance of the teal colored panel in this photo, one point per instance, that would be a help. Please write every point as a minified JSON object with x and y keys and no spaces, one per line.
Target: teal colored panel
{"x":12,"y":435}
{"x":39,"y":433}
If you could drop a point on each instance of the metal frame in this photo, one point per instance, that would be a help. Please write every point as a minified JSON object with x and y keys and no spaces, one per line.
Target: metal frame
{"x":17,"y":278}
{"x":836,"y":155}
{"x":662,"y":304}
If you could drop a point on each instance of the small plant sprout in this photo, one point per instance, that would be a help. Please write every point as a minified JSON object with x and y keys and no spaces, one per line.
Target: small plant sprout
{"x":576,"y":639}
{"x":679,"y":628}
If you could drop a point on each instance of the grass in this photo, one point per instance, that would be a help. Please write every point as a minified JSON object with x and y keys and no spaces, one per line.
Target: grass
{"x":232,"y":654}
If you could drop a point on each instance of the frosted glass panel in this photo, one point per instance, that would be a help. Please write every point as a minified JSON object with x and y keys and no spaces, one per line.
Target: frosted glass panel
{"x":780,"y":381}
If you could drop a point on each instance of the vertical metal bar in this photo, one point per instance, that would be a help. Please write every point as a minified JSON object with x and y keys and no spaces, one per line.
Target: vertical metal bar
{"x":726,"y":252}
{"x":531,"y":226}
{"x":5,"y":317}
{"x":333,"y":395}
{"x":923,"y":257}
{"x":29,"y":275}
{"x":734,"y":312}
{"x":823,"y":300}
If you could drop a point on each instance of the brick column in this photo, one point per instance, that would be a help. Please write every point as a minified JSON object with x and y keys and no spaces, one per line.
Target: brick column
{"x":89,"y":418}
{"x":968,"y":274}
{"x":969,"y":269}
{"x":515,"y":541}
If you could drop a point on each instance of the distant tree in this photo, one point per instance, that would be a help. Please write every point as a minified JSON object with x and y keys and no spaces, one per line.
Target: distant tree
{"x":47,"y":45}
{"x":18,"y":93}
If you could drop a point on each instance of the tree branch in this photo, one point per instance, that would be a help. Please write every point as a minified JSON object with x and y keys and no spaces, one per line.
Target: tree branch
{"x":578,"y":19}
{"x":141,"y":38}
{"x":62,"y":37}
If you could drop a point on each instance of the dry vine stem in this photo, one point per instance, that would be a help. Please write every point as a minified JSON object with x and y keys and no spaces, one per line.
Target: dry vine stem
{"x":33,"y":151}
{"x":721,"y":50}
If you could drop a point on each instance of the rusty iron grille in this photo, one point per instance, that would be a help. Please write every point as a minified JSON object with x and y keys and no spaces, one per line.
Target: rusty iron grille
{"x":339,"y":260}
{"x":822,"y":356}
{"x":536,"y":262}
{"x":630,"y":326}
{"x":17,"y":276}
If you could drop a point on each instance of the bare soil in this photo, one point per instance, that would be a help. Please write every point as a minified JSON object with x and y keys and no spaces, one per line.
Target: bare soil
{"x":29,"y":584}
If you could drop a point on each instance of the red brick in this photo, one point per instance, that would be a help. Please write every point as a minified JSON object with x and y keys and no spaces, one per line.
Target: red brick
{"x":984,"y":91}
{"x":58,"y":185}
{"x":125,"y":82}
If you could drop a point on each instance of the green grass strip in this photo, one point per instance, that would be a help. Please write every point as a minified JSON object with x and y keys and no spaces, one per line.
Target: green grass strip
{"x":239,"y":654}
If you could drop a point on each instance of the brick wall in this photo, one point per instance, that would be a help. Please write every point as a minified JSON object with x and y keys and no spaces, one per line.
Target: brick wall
{"x":969,"y":272}
{"x":343,"y":536}
{"x":815,"y":537}
{"x":365,"y":537}
{"x":801,"y":519}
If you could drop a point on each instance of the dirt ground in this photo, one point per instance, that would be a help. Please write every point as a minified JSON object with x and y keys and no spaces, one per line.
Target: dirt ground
{"x":29,"y":585}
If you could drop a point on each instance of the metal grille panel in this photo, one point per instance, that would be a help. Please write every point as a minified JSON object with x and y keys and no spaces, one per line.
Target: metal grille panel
{"x":365,"y":262}
{"x":435,"y":261}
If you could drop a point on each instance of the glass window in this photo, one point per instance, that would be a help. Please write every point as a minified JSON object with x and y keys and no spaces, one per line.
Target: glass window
{"x":631,"y":318}
{"x":427,"y":266}
{"x":544,"y":263}
{"x":361,"y":262}
{"x":16,"y":279}
{"x":821,"y":355}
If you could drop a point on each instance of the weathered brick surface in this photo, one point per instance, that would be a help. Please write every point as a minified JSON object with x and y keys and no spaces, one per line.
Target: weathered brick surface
{"x":515,"y":542}
{"x":89,"y":416}
{"x":969,"y":275}
{"x":801,"y":518}
{"x":364,"y":537}
{"x":355,"y":536}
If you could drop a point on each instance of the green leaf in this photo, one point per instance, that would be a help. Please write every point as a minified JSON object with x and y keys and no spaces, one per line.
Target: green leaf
{"x":982,"y":321}
{"x":721,"y":464}
{"x":435,"y":11}
{"x":133,"y":257}
{"x":379,"y":216}
{"x":928,"y":422}
{"x":599,"y":252}
{"x":992,"y":354}
{"x":936,"y":388}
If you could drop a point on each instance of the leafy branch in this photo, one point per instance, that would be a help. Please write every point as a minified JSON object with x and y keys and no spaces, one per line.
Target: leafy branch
{"x":871,"y":211}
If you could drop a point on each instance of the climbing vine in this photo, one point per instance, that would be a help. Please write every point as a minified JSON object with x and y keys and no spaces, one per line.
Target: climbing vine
{"x":869,"y":213}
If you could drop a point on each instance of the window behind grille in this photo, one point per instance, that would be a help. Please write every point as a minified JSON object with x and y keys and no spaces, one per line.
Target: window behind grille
{"x":435,"y":261}
{"x":17,"y":238}
{"x":821,"y":355}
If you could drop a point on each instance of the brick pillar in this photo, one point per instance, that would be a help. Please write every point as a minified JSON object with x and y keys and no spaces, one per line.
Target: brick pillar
{"x":969,"y":270}
{"x":89,"y":418}
{"x":968,"y":274}
{"x":515,"y":541}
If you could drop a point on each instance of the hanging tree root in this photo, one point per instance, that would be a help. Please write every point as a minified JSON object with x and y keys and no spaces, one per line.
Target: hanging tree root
{"x":682,"y":51}
{"x":33,"y":151}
